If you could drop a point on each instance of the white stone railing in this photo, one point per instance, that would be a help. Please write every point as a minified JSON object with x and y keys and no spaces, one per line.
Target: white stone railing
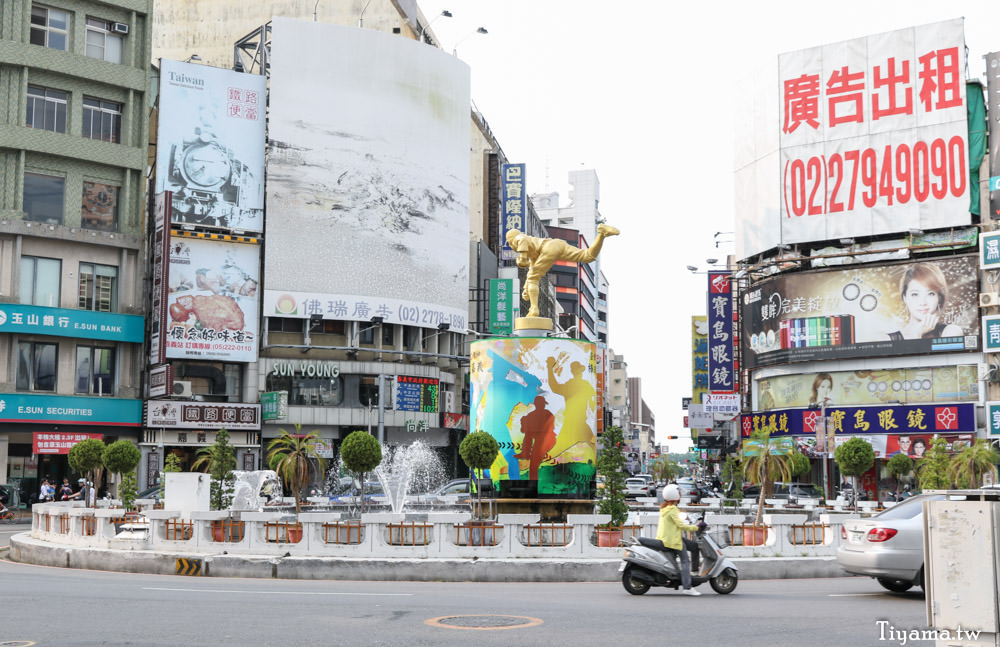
{"x":405,"y":535}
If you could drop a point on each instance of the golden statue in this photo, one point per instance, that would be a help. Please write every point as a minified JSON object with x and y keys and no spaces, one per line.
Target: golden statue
{"x":539,"y":254}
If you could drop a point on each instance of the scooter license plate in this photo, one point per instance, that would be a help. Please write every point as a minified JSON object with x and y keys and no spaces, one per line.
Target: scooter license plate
{"x":621,"y":567}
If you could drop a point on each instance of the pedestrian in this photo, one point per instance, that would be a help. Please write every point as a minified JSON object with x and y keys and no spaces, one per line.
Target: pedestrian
{"x":79,"y":494}
{"x":65,"y":490}
{"x":46,"y":492}
{"x":669,"y":532}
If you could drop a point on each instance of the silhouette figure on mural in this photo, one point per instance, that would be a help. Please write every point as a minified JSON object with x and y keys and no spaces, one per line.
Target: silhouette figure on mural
{"x":509,"y":386}
{"x":539,"y":254}
{"x":539,"y":436}
{"x":579,"y":396}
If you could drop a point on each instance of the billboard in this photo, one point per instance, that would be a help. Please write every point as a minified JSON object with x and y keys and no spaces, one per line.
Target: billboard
{"x":513,"y":205}
{"x":870,"y":387}
{"x":699,"y":357}
{"x":920,"y":307}
{"x":721,"y":334}
{"x":537,"y":397}
{"x":874,"y":135}
{"x":897,"y":419}
{"x":210,"y":145}
{"x":368,"y":178}
{"x":211,"y":305}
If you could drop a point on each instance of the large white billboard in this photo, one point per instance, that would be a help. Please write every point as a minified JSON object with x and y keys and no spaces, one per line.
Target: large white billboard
{"x":872,"y":139}
{"x":368,"y":177}
{"x":210,"y":146}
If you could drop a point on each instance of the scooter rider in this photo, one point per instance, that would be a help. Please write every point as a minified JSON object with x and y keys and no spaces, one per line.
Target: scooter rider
{"x":669,"y":532}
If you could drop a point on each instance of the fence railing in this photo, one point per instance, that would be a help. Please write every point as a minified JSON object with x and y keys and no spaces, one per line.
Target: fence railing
{"x":382,"y":534}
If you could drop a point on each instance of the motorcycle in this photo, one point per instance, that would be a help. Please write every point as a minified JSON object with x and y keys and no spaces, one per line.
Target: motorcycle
{"x":646,"y":564}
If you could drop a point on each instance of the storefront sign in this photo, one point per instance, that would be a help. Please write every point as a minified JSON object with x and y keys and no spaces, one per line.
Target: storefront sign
{"x":202,"y":415}
{"x":721,"y":354}
{"x":273,"y":405}
{"x":989,"y":247}
{"x":991,"y":334}
{"x":993,"y":418}
{"x":17,"y":318}
{"x":70,"y":410}
{"x":455,"y":421}
{"x":57,"y":442}
{"x":722,"y":403}
{"x":512,"y":204}
{"x":413,"y":426}
{"x":161,"y":381}
{"x":503,"y":306}
{"x":927,"y":419}
{"x":698,"y":418}
{"x":305,"y":368}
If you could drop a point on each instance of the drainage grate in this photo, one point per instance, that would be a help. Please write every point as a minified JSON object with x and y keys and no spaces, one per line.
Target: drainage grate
{"x":484,"y":622}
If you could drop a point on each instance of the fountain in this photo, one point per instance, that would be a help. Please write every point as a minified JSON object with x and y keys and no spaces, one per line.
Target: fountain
{"x":252,"y":490}
{"x":406,"y":469}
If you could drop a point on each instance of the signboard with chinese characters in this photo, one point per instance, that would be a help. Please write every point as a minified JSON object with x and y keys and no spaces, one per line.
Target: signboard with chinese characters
{"x":57,"y":442}
{"x":991,"y":334}
{"x":699,"y":357}
{"x":415,"y":426}
{"x":70,"y":409}
{"x":993,"y":117}
{"x":913,"y":419}
{"x":989,"y":248}
{"x":698,"y":418}
{"x":416,"y":394}
{"x":503,"y":306}
{"x":727,"y":404}
{"x":202,"y":415}
{"x":24,"y":319}
{"x":211,"y":306}
{"x":865,"y":311}
{"x":873,"y":135}
{"x":721,"y":355}
{"x":210,"y":151}
{"x":160,"y":252}
{"x":273,"y":405}
{"x":993,"y":418}
{"x":161,"y":381}
{"x":512,"y":204}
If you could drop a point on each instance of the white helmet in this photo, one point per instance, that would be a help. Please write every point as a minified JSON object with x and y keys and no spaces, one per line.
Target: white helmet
{"x":671,"y":493}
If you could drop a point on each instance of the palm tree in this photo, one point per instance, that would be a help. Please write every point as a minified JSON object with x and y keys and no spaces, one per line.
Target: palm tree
{"x":967,"y":469}
{"x":764,"y":463}
{"x":295,"y":458}
{"x":665,"y":470}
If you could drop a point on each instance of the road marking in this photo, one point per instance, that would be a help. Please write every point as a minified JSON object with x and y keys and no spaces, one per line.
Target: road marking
{"x":163,"y":588}
{"x":852,"y":595}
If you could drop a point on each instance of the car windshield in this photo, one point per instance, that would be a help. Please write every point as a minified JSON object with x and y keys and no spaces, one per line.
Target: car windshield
{"x":909,"y":508}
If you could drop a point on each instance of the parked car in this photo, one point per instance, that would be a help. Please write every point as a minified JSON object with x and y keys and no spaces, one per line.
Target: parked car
{"x":454,"y":486}
{"x":636,"y":487}
{"x":694,"y":492}
{"x":786,"y":490}
{"x":888,"y":546}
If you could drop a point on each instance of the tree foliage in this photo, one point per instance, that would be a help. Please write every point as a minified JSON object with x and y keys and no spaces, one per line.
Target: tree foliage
{"x":764,"y":463}
{"x":219,"y":459}
{"x":664,"y":469}
{"x":799,"y":464}
{"x":295,"y":459}
{"x":360,"y":453}
{"x":899,"y":465}
{"x":122,"y":457}
{"x":611,"y":466}
{"x":932,"y":469}
{"x":967,"y":468}
{"x":855,"y":457}
{"x":86,"y":456}
{"x":478,"y":450}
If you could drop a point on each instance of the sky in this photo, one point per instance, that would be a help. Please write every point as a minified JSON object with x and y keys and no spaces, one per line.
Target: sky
{"x":647,"y":94}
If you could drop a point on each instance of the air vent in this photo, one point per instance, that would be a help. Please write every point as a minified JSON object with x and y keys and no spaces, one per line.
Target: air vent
{"x":119,"y":28}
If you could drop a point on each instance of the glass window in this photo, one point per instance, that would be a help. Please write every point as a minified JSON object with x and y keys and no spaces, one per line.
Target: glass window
{"x":95,"y":370}
{"x":98,"y":287}
{"x":387,"y":334}
{"x":49,"y":27}
{"x":40,"y":281}
{"x":43,"y":198}
{"x":36,"y":366}
{"x":308,"y":391}
{"x":101,"y":43}
{"x":99,"y":208}
{"x":102,"y":120}
{"x":367,"y":334}
{"x":46,"y":109}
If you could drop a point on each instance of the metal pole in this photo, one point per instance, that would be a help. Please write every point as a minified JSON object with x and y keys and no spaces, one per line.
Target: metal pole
{"x":826,"y":481}
{"x":381,"y":412}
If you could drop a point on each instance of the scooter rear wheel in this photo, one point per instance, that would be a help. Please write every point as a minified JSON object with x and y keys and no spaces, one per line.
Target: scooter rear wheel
{"x":725,"y":582}
{"x":633,"y":585}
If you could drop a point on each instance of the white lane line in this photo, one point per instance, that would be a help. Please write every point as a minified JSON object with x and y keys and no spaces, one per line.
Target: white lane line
{"x":162,"y":588}
{"x":852,"y":595}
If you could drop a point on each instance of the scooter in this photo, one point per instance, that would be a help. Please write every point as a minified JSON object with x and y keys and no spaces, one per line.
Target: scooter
{"x":647,"y":564}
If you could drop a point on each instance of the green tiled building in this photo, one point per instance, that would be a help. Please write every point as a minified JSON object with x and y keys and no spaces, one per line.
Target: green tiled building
{"x":74,"y":124}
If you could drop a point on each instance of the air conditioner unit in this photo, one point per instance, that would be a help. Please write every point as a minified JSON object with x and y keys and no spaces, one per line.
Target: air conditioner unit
{"x":182,"y":389}
{"x":119,"y":28}
{"x":987,"y":299}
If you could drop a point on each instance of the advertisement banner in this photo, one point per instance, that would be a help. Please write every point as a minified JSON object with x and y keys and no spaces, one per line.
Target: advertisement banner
{"x":721,"y":334}
{"x":870,"y":387}
{"x":160,"y":250}
{"x":504,"y":304}
{"x":212,"y":300}
{"x":202,"y":415}
{"x":921,"y":307}
{"x":699,"y":357}
{"x":873,"y":135}
{"x":368,"y":178}
{"x":70,"y":410}
{"x":273,"y":405}
{"x":698,"y":418}
{"x":513,"y":200}
{"x":989,"y":248}
{"x":537,"y":398}
{"x":57,"y":442}
{"x":210,"y":146}
{"x":601,"y":355}
{"x":912,"y":419}
{"x":727,"y":404}
{"x":24,"y":319}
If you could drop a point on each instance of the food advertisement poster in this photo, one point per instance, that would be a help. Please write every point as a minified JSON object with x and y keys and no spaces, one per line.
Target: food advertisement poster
{"x":537,"y":397}
{"x":210,"y":150}
{"x":921,"y":307}
{"x":869,"y":387}
{"x":212,"y":300}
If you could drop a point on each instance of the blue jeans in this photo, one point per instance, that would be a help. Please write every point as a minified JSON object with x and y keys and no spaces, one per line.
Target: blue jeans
{"x":685,"y":567}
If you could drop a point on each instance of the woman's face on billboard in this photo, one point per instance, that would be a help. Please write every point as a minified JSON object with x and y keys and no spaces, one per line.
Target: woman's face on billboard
{"x":920,"y":300}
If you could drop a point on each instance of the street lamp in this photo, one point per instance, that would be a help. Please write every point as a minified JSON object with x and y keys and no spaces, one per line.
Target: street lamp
{"x":423,"y":29}
{"x":480,"y":30}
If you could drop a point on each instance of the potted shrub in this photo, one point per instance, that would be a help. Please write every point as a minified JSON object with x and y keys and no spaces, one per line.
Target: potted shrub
{"x":611,"y":466}
{"x":899,"y":465}
{"x":854,"y":458}
{"x":764,"y":462}
{"x":87,"y":458}
{"x":361,"y":453}
{"x":295,"y":459}
{"x":122,"y":457}
{"x":478,"y":450}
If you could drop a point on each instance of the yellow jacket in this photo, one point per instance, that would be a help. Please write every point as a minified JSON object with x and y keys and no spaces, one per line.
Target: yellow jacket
{"x":670,"y":527}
